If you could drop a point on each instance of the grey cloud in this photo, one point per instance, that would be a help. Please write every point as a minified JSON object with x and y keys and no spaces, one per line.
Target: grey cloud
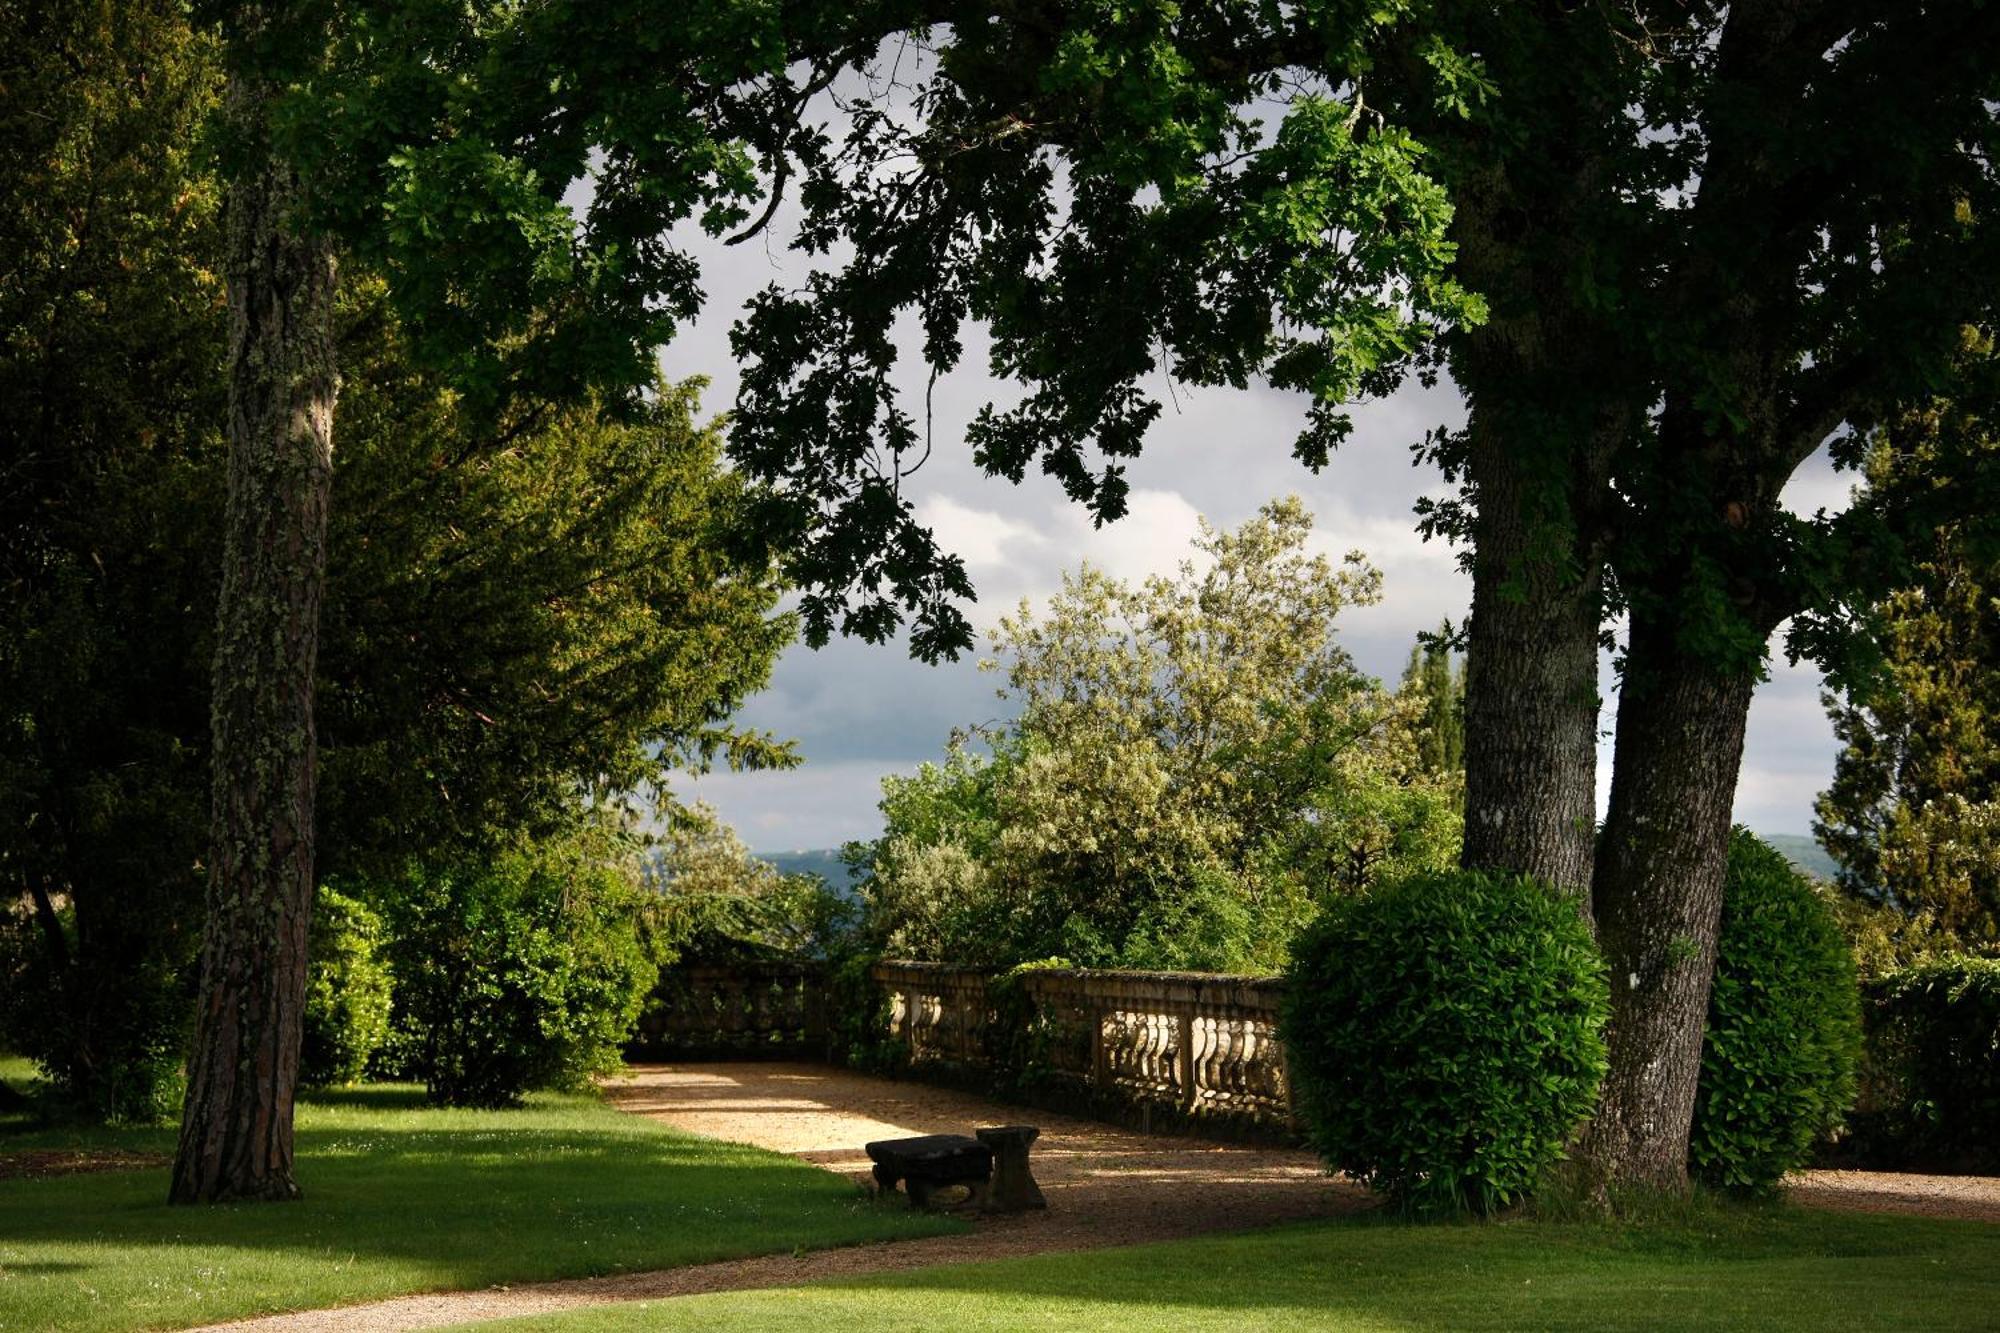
{"x":860,"y":711}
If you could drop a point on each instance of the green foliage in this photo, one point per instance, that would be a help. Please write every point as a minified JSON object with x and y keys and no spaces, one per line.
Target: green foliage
{"x":347,"y":991}
{"x":111,"y":339}
{"x":712,"y":901}
{"x":858,"y":1018}
{"x":1195,"y":760}
{"x":130,"y":1074}
{"x":1444,"y":1037}
{"x":507,"y":630}
{"x":1913,"y":814}
{"x":520,"y":973}
{"x":1931,"y":1096}
{"x":1784,"y":1025}
{"x":1111,"y":167}
{"x":513,"y":170}
{"x":1441,"y":730}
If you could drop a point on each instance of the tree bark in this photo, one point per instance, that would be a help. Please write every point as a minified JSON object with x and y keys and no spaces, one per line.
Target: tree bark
{"x":1658,"y":898}
{"x":236,"y":1135}
{"x":1531,"y":680}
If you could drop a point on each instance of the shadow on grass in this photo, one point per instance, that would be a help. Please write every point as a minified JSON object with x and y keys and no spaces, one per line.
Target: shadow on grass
{"x":1772,"y":1268}
{"x":400,"y":1199}
{"x":372,"y":1097}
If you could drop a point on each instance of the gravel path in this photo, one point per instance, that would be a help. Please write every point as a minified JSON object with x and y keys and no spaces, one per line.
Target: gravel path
{"x":1972,"y":1198}
{"x":1105,"y":1186}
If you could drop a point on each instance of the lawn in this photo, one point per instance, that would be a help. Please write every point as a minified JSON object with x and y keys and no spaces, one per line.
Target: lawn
{"x":404,"y":1198}
{"x":1761,"y":1268}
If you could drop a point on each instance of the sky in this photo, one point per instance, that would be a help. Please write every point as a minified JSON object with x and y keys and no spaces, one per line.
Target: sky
{"x":859,"y":711}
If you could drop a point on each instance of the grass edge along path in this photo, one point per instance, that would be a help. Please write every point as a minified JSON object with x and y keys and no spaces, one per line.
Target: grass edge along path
{"x":1764,"y":1267}
{"x":404,"y":1198}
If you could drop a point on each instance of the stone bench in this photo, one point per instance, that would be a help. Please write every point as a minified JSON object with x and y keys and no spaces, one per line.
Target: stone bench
{"x":993,"y":1168}
{"x":931,"y":1163}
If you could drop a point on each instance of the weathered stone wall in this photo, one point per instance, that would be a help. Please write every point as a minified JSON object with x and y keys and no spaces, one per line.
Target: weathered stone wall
{"x":1176,"y":1046}
{"x":1155,"y":1049}
{"x":735,"y":1011}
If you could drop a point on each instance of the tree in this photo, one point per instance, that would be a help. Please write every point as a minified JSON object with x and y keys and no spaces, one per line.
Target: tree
{"x":1196,"y":761}
{"x":513,"y":632}
{"x":236,"y":1131}
{"x":1824,"y":269}
{"x":1441,"y":732}
{"x":111,"y":335}
{"x":560,"y":604}
{"x":1706,"y":242}
{"x":388,"y":127}
{"x":1913,"y":814}
{"x":713,"y":900}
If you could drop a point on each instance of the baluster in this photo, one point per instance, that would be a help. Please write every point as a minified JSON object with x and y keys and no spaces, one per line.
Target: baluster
{"x":1185,"y":1065}
{"x":1209,"y":1089}
{"x":1100,"y":1050}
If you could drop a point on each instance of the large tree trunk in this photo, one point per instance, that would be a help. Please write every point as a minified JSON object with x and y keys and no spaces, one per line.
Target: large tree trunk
{"x":236,"y":1136}
{"x":1658,"y":897}
{"x":1531,"y":678}
{"x":1552,"y":401}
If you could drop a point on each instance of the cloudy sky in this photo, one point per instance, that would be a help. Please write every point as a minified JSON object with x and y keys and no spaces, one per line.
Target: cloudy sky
{"x":860,"y":711}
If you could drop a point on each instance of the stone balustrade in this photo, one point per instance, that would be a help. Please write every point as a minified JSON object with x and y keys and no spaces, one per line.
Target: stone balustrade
{"x":750,"y":1010}
{"x":1204,"y":1046}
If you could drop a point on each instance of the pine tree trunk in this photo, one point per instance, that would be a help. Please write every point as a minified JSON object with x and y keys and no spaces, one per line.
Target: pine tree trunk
{"x":1531,"y":681}
{"x":236,"y":1136}
{"x":1658,"y":898}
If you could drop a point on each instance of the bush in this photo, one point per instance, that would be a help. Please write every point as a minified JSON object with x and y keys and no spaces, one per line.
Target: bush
{"x":1934,"y":1066}
{"x":525,"y":973}
{"x":858,"y":1018}
{"x":109,"y":1025}
{"x":1444,"y":1036}
{"x":347,"y":991}
{"x":1784,"y":1025}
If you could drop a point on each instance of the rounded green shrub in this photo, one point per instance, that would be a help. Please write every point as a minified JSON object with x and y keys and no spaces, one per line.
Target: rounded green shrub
{"x":1784,"y":1025}
{"x":520,"y":973}
{"x":1444,"y":1037}
{"x":347,"y":991}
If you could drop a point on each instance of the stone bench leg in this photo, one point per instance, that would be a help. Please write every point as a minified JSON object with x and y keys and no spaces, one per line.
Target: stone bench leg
{"x":1014,"y":1188}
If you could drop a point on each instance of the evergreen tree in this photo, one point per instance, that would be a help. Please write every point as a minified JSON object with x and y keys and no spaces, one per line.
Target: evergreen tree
{"x":1913,"y":814}
{"x":507,"y":629}
{"x":1433,"y":674}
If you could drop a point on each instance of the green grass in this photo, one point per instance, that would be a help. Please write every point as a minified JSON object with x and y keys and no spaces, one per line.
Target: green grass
{"x":402,"y":1198}
{"x":1763,"y":1268}
{"x":20,"y":1074}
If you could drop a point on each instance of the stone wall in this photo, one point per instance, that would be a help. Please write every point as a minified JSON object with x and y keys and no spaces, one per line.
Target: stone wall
{"x":1172,"y":1046}
{"x":1154,"y":1049}
{"x":735,"y":1011}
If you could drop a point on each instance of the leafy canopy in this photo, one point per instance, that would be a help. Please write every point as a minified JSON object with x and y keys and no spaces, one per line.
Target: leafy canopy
{"x":1195,"y":762}
{"x":1913,"y":813}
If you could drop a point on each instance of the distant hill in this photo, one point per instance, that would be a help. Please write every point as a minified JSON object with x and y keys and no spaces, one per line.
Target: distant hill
{"x":824,"y":862}
{"x":1803,"y":852}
